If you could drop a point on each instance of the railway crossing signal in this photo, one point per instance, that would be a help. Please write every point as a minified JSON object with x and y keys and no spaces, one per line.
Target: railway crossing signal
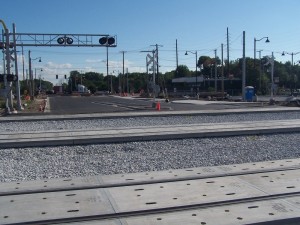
{"x":13,"y":40}
{"x":9,"y":77}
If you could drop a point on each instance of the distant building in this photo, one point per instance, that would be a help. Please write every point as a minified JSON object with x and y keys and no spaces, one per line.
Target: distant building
{"x":58,"y":89}
{"x":187,"y":79}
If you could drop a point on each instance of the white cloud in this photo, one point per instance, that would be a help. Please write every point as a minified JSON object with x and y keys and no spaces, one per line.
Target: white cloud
{"x":51,"y":65}
{"x":93,"y":60}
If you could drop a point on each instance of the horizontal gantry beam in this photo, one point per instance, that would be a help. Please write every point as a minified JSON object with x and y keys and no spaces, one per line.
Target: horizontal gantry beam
{"x":65,"y":40}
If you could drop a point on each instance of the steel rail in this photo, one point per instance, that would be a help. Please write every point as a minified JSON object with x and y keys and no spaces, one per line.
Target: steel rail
{"x":133,"y":183}
{"x":120,"y":215}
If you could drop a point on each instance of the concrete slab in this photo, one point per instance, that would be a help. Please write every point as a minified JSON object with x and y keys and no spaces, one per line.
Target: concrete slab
{"x":238,"y":214}
{"x":180,"y":193}
{"x":170,"y":196}
{"x":162,"y":176}
{"x":53,"y":205}
{"x":147,"y":177}
{"x":107,"y":202}
{"x":49,"y":185}
{"x":279,"y":182}
{"x":200,"y":172}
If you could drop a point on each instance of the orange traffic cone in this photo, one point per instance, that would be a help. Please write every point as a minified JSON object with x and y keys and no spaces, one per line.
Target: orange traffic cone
{"x":158,"y":106}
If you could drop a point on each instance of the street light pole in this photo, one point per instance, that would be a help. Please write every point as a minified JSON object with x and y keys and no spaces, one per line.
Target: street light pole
{"x":292,"y":54}
{"x":195,"y":53}
{"x":272,"y":77}
{"x":31,"y":75}
{"x":255,"y":40}
{"x":260,"y":69}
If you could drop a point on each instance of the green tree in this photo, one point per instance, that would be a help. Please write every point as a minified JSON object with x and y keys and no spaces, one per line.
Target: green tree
{"x":183,"y":71}
{"x":204,"y":61}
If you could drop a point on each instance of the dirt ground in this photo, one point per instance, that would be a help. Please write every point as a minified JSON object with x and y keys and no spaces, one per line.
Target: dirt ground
{"x":30,"y":106}
{"x":35,"y":106}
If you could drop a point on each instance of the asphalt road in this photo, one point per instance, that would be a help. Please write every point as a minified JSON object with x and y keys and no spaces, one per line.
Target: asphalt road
{"x":100,"y":104}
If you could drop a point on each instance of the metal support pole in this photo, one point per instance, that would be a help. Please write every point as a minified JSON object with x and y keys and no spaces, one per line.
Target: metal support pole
{"x":123,"y":72}
{"x":216,"y":71}
{"x":244,"y":68}
{"x":153,"y":68}
{"x":3,"y":52}
{"x":40,"y":82}
{"x":23,"y":64}
{"x":260,"y":82}
{"x":197,"y":91}
{"x":127,"y":90}
{"x":196,"y":71}
{"x":9,"y":100}
{"x":30,"y":76}
{"x":19,"y":102}
{"x":254,"y":51}
{"x":272,"y":77}
{"x":107,"y":68}
{"x":222,"y":70}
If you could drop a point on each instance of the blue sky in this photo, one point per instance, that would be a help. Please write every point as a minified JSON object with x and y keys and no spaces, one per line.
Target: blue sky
{"x":196,"y":24}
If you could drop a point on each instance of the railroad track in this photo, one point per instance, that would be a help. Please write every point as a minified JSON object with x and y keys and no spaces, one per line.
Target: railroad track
{"x":252,"y":193}
{"x":149,"y":133}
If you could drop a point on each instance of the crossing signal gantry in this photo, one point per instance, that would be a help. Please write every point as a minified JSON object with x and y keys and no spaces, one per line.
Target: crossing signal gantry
{"x":9,"y":41}
{"x":75,"y":40}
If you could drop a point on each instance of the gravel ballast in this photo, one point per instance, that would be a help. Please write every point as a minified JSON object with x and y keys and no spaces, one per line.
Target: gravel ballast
{"x":17,"y":164}
{"x":9,"y":127}
{"x":72,"y":161}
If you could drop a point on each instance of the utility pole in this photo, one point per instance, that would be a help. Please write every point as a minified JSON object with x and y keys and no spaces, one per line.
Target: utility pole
{"x":30,"y":76}
{"x":3,"y":55}
{"x":123,"y":71}
{"x":222,"y":70}
{"x":244,"y":68}
{"x":216,"y":71}
{"x":227,"y":53}
{"x":23,"y":65}
{"x":107,"y":68}
{"x":127,"y":87}
{"x":176,"y":59}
